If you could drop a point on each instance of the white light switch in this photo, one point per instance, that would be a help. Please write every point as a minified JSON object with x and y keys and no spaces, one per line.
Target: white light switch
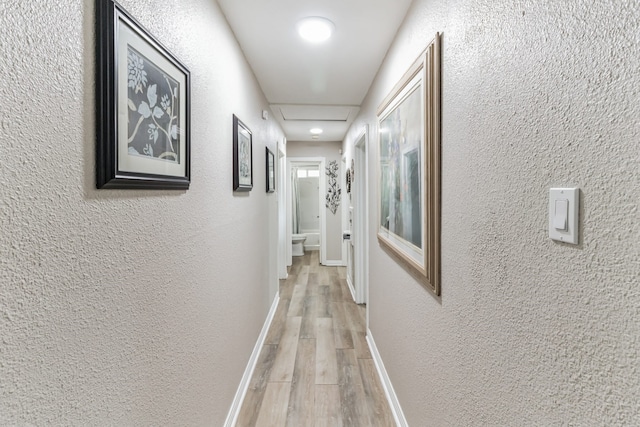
{"x":560,"y":216}
{"x":564,"y":204}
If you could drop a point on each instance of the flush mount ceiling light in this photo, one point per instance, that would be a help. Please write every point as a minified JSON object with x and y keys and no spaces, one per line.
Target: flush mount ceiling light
{"x":315,"y":29}
{"x":315,"y":131}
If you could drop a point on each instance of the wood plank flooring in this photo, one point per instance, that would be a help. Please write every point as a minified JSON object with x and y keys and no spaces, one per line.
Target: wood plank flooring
{"x":315,"y":368}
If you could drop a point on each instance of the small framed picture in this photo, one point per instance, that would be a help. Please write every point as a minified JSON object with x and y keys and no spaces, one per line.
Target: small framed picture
{"x":142,"y":106}
{"x":242,"y":156}
{"x":271,"y":171}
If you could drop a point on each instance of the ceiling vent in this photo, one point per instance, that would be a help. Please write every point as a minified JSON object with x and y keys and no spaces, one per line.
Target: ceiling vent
{"x":315,"y":113}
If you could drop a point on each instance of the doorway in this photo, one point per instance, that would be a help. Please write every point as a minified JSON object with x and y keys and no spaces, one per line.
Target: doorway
{"x":306,"y":204}
{"x":305,"y":215}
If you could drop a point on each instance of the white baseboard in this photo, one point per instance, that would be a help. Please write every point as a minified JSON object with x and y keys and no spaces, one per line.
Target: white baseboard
{"x":334,"y":263}
{"x":396,"y":409}
{"x":234,"y":411}
{"x":351,"y":288}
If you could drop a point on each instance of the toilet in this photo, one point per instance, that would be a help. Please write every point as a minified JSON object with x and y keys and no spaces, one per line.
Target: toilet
{"x":298,"y":244}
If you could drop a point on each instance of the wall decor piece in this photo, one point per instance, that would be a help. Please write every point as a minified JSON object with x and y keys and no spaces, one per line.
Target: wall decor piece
{"x":242,"y":156}
{"x":348,"y":179}
{"x":333,"y":191}
{"x":271,"y":171}
{"x":353,"y":171}
{"x":409,"y":168}
{"x":142,"y":106}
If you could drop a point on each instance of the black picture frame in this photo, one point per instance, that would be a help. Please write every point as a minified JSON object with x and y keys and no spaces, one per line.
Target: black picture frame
{"x":271,"y":170}
{"x":242,"y":156}
{"x":138,"y":78}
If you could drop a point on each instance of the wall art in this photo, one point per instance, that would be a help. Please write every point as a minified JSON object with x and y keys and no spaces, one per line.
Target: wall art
{"x":242,"y":156}
{"x":409,"y":168}
{"x":142,"y":106}
{"x":353,"y":170}
{"x":333,"y":191}
{"x":271,"y":171}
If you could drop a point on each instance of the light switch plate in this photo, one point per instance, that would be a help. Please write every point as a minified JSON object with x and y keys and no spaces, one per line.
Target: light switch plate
{"x":572,"y":197}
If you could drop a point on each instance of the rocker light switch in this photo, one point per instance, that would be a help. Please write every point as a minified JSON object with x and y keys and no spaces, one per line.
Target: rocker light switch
{"x":564,"y":206}
{"x":560,"y":218}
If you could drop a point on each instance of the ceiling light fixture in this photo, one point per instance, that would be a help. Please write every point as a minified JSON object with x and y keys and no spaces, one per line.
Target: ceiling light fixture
{"x":315,"y":131}
{"x":315,"y":29}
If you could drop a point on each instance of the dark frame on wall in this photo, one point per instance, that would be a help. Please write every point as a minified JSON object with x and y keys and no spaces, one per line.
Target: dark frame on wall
{"x":242,"y":156}
{"x":143,"y":121}
{"x":271,"y":170}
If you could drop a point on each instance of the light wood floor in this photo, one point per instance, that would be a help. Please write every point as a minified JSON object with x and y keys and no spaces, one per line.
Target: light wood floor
{"x":315,"y":368}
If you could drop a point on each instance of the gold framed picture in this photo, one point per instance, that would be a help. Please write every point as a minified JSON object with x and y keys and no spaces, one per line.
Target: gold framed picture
{"x":409,"y":168}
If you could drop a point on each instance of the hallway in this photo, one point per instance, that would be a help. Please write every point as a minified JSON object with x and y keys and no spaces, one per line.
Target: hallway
{"x":315,"y":368}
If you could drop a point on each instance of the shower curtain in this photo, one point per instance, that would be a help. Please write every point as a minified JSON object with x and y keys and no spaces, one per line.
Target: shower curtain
{"x":295,"y":203}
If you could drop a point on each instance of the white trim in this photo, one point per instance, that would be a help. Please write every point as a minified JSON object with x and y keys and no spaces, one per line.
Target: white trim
{"x":350,"y":286}
{"x":289,"y":227}
{"x":333,"y":263}
{"x":396,"y":409}
{"x":281,"y":192}
{"x":236,"y":405}
{"x":323,"y":211}
{"x":320,"y":161}
{"x":345,"y":200}
{"x":361,"y":219}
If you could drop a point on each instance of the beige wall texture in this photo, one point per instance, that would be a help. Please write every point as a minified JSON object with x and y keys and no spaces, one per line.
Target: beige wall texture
{"x":528,"y":331}
{"x":329,"y":151}
{"x":125,"y":307}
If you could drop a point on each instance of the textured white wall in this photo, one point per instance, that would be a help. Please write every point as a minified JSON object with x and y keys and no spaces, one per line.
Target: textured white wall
{"x":528,"y":331}
{"x":125,"y":307}
{"x":330,"y":151}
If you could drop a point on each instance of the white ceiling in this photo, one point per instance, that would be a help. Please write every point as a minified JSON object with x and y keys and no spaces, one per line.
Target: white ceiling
{"x":311,"y":85}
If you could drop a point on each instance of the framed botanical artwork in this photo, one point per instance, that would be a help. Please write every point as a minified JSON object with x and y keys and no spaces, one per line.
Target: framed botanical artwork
{"x":242,"y":156}
{"x":142,"y":106}
{"x":271,"y":171}
{"x":409,"y":168}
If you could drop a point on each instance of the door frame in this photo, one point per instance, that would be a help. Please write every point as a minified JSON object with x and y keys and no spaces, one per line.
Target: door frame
{"x":281,"y":192}
{"x":320,"y":161}
{"x":361,"y":217}
{"x":345,"y":201}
